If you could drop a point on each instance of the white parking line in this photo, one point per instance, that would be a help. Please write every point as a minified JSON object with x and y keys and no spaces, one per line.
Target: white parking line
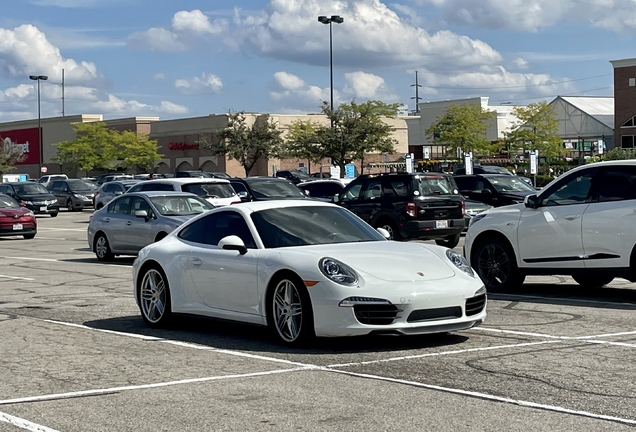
{"x":416,"y":356}
{"x":588,"y":339}
{"x":62,"y":229}
{"x":24,"y":424}
{"x":63,"y":261}
{"x":98,"y":392}
{"x":486,"y":396}
{"x":303,"y":366}
{"x":15,"y":277}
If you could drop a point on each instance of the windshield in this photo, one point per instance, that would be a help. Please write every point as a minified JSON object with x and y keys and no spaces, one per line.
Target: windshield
{"x":30,"y":189}
{"x":497,"y":170}
{"x":276,"y":189}
{"x":81,"y":185}
{"x":207,"y":190}
{"x":510,"y":184}
{"x":436,"y":185}
{"x":302,"y":226}
{"x":8,"y":202}
{"x":180,"y":205}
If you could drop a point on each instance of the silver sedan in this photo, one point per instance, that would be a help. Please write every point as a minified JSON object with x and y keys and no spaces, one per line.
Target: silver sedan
{"x":134,"y":220}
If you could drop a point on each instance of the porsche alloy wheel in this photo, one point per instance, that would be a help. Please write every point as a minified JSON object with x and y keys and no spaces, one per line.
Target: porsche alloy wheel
{"x":154,"y":298}
{"x":291,"y":312}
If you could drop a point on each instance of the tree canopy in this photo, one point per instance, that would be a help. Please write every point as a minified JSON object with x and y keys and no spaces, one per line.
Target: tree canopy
{"x":9,"y":156}
{"x":98,"y":147}
{"x":243,"y":142}
{"x":354,"y":130}
{"x":537,"y":129}
{"x":462,"y":127}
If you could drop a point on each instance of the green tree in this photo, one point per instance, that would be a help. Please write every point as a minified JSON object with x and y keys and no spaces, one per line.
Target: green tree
{"x":356,"y":130}
{"x":9,"y":156}
{"x":301,"y":142}
{"x":537,"y":129}
{"x":245,"y":143}
{"x":98,"y":147}
{"x":462,"y":127}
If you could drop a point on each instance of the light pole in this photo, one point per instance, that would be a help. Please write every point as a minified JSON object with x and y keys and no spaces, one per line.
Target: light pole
{"x":39,"y":78}
{"x":329,"y":20}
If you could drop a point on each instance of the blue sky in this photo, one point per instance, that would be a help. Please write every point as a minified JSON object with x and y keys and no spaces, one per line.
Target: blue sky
{"x":186,"y":58}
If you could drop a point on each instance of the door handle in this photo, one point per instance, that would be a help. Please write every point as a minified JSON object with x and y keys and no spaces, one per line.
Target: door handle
{"x":572,"y":217}
{"x":196,"y":262}
{"x":107,"y":220}
{"x":129,"y":223}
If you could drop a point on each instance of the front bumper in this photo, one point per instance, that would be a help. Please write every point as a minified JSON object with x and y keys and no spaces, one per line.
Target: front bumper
{"x":431,"y":307}
{"x":44,"y":207}
{"x":8,"y":230}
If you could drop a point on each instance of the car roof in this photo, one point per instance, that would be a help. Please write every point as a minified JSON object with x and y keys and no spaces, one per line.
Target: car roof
{"x":184,"y":180}
{"x":152,"y":194}
{"x":485,"y":175}
{"x":331,"y":180}
{"x":254,"y":206}
{"x":261,"y":178}
{"x":124,"y":182}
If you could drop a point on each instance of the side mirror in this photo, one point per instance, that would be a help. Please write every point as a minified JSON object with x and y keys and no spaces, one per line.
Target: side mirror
{"x":22,"y":204}
{"x":485,"y":191}
{"x":141,"y":214}
{"x":307,"y":193}
{"x":243,"y":196}
{"x":531,"y":201}
{"x":335,"y":199}
{"x":384,"y":233}
{"x":233,"y":242}
{"x":118,"y":192}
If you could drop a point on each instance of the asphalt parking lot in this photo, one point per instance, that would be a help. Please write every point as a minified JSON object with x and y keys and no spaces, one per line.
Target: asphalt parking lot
{"x":76,"y":356}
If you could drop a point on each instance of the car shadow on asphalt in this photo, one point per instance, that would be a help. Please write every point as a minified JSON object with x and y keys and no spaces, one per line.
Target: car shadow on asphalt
{"x":227,"y":335}
{"x":570,"y":295}
{"x":123,"y":261}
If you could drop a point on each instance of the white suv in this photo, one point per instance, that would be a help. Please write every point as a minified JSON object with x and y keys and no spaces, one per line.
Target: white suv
{"x":582,"y":224}
{"x":218,"y":192}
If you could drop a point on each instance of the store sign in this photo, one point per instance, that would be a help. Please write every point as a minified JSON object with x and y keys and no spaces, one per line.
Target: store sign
{"x":26,"y":140}
{"x":182,"y":146}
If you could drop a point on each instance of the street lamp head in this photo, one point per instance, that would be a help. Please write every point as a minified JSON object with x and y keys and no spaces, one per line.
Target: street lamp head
{"x":38,"y":77}
{"x":33,"y":77}
{"x":323,"y":19}
{"x":337,"y":19}
{"x":43,"y":77}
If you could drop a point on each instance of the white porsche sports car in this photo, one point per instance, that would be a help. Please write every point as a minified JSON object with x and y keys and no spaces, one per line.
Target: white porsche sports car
{"x":305,"y":268}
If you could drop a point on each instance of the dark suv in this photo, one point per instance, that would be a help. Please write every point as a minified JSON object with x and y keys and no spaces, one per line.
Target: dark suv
{"x":494,"y":189}
{"x":266,"y":188}
{"x":409,"y":206}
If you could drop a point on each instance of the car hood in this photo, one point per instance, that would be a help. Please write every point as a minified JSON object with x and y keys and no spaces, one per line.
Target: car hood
{"x":387,"y":260}
{"x":36,"y":197}
{"x":516,"y":195}
{"x":11,"y":211}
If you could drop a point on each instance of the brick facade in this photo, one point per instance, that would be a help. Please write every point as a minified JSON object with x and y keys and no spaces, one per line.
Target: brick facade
{"x":624,"y":99}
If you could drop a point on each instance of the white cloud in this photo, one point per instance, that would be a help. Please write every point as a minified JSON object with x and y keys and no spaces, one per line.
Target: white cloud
{"x":531,"y":15}
{"x":207,"y":83}
{"x":371,"y":35}
{"x":520,"y":63}
{"x":25,"y":50}
{"x":159,"y":76}
{"x":368,"y":86}
{"x":293,"y":95}
{"x":188,"y":28}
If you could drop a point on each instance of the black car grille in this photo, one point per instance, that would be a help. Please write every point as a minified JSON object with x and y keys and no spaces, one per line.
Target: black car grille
{"x":475,"y":305}
{"x":435,"y":314}
{"x":375,"y":314}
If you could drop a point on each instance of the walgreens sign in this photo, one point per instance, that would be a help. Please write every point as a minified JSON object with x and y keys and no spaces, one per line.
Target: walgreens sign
{"x":27,"y":140}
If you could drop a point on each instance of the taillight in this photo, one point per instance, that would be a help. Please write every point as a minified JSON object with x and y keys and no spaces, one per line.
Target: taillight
{"x":96,"y":193}
{"x":463,"y":208}
{"x":411,"y":208}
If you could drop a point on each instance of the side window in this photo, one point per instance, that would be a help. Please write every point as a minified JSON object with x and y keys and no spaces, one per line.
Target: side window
{"x":120,"y":206}
{"x":147,"y":187}
{"x":239,"y":187}
{"x":464,"y":183}
{"x":373,"y":189}
{"x":138,"y":203}
{"x":351,"y":193}
{"x":4,"y":189}
{"x":55,"y":186}
{"x":574,"y":189}
{"x":211,"y":229}
{"x":163,"y":187}
{"x":108,"y":188}
{"x":615,"y":184}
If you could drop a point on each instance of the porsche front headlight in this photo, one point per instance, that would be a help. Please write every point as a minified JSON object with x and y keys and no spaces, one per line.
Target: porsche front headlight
{"x":460,"y":262}
{"x":338,"y":271}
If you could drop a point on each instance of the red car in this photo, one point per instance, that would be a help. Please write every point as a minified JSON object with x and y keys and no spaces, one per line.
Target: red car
{"x":15,"y":219}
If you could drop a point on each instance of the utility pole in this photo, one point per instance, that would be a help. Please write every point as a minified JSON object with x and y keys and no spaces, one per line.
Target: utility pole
{"x":417,"y":94}
{"x":62,"y":92}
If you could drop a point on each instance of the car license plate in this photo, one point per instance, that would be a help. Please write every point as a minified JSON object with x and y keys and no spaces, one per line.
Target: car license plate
{"x":43,"y":208}
{"x":17,"y":227}
{"x":441,"y":224}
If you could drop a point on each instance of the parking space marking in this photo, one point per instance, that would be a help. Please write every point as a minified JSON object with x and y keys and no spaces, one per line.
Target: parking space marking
{"x":486,"y":396}
{"x":24,"y":424}
{"x":436,"y":354}
{"x":15,"y":277}
{"x":520,"y":333}
{"x":504,"y":297}
{"x":608,"y":335}
{"x":588,"y":339}
{"x":62,"y":261}
{"x":113,"y":390}
{"x":306,"y":367}
{"x":62,"y":229}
